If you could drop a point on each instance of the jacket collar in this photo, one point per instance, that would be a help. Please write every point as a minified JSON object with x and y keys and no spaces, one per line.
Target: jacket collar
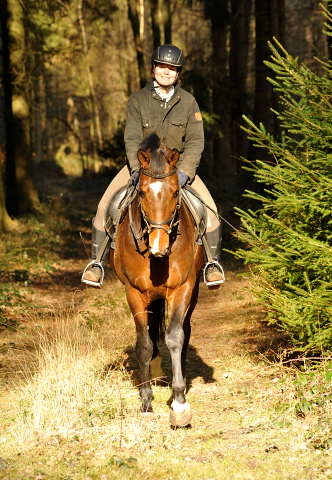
{"x":150,"y":86}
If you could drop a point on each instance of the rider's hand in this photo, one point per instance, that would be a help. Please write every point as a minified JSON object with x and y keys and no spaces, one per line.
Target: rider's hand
{"x":135,"y":177}
{"x":183,"y":179}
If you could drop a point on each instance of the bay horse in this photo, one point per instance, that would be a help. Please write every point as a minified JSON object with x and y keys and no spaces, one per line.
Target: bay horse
{"x":156,"y":257}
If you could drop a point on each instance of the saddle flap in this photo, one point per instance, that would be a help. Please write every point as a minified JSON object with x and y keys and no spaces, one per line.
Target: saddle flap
{"x":197,"y":209}
{"x":115,"y":208}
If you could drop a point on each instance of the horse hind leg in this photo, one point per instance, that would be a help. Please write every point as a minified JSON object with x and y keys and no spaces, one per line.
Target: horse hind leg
{"x":156,"y":321}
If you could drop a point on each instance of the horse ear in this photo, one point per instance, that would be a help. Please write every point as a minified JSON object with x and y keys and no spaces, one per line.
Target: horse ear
{"x":144,"y":158}
{"x":172,"y":157}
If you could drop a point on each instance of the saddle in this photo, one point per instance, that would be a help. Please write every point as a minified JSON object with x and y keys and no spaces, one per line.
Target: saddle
{"x":122,"y":198}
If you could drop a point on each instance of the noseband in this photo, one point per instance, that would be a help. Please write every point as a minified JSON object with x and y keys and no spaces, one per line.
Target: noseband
{"x":151,"y":224}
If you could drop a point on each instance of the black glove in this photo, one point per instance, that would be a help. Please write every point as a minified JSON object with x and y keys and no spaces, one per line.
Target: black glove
{"x":135,"y":177}
{"x":183,"y":179}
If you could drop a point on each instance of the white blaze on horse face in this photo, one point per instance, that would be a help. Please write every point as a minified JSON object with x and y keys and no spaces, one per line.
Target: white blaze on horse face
{"x":156,"y":187}
{"x":159,"y":242}
{"x":155,"y":248}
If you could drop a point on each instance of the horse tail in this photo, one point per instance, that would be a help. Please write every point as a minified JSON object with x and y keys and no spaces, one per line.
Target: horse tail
{"x":158,"y":307}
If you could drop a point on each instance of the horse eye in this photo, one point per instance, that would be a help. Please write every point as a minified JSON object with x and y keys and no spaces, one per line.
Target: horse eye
{"x":142,"y":194}
{"x":176,"y":193}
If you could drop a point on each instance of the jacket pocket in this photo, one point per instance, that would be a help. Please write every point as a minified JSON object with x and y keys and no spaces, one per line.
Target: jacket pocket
{"x":149,"y":126}
{"x":177,"y":133}
{"x":179,"y":122}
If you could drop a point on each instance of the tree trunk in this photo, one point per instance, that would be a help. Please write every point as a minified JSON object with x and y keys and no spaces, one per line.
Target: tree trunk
{"x":49,"y":117}
{"x":241,"y":10}
{"x":218,"y":13}
{"x":6,"y":223}
{"x":263,"y":89}
{"x":134,"y":20}
{"x":89,"y":76}
{"x":21,"y":193}
{"x":37,"y":116}
{"x":154,"y":6}
{"x":168,"y":21}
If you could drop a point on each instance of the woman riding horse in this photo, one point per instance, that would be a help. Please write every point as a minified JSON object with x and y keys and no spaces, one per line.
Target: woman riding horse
{"x":164,"y":108}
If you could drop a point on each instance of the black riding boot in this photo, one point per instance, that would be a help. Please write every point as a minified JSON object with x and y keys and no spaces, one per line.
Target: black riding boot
{"x":213,"y":271}
{"x":95,"y":275}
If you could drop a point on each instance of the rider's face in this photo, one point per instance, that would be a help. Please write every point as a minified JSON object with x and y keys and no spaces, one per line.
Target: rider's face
{"x":165,"y":74}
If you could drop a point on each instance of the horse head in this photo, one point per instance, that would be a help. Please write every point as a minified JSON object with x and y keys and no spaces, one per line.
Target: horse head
{"x":159,"y":192}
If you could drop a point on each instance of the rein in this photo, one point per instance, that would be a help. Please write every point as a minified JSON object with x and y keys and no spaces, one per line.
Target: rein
{"x":150,"y":224}
{"x":155,"y":175}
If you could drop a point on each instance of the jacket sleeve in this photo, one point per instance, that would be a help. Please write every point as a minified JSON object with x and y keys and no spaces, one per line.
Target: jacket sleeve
{"x":194,"y":142}
{"x":133,"y":134}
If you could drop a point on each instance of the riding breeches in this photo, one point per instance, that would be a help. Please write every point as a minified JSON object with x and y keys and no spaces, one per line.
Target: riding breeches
{"x":121,"y":179}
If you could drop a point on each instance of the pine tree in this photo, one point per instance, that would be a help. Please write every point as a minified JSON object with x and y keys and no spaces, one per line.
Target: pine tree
{"x":289,"y":239}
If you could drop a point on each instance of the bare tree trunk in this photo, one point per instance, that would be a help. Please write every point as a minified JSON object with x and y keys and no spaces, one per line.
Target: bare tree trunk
{"x":217,"y":11}
{"x":134,"y":20}
{"x":37,"y":115}
{"x":49,"y":117}
{"x":238,"y":72}
{"x":263,"y":89}
{"x":90,"y":79}
{"x":154,"y":6}
{"x":21,"y":193}
{"x":168,"y":21}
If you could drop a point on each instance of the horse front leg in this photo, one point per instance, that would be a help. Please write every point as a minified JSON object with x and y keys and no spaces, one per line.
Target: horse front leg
{"x":144,"y":345}
{"x":177,"y":339}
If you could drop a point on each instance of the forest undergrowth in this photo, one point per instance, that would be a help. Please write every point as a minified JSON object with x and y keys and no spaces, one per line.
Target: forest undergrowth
{"x":68,"y":375}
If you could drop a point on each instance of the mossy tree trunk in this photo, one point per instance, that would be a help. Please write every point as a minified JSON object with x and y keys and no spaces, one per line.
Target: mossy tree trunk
{"x":21,"y":192}
{"x":6,"y":223}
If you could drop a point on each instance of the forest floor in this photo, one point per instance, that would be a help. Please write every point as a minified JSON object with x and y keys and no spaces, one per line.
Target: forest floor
{"x":68,"y":375}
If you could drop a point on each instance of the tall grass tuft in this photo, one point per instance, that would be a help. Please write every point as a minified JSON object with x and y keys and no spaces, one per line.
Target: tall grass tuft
{"x":69,"y":387}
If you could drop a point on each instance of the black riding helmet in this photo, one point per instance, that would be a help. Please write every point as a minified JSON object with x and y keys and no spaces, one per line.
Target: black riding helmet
{"x":168,"y":54}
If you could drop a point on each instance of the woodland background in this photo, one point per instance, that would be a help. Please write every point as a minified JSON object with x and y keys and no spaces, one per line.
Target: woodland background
{"x":68,"y":68}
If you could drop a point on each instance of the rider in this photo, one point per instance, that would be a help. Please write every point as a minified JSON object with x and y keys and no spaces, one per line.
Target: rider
{"x":162,"y":107}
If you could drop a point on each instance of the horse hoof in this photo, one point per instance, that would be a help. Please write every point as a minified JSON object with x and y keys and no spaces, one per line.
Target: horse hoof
{"x":180,"y":419}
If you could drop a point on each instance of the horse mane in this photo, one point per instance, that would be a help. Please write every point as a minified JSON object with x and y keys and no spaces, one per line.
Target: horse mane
{"x":151,"y":144}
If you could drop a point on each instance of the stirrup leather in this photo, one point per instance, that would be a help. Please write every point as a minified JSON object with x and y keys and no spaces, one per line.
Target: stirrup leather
{"x":218,"y":282}
{"x":90,"y":282}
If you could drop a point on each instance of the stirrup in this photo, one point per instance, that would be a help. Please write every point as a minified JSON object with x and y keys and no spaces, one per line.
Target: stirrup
{"x":218,"y":282}
{"x":90,"y":282}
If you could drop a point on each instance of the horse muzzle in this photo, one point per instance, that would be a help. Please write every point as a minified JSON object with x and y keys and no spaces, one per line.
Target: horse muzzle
{"x":159,"y":243}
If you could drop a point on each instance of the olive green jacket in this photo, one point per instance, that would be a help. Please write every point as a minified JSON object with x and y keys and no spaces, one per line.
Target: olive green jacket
{"x":178,"y":123}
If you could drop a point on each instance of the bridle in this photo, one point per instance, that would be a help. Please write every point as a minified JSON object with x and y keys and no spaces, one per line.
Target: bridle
{"x":150,"y":224}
